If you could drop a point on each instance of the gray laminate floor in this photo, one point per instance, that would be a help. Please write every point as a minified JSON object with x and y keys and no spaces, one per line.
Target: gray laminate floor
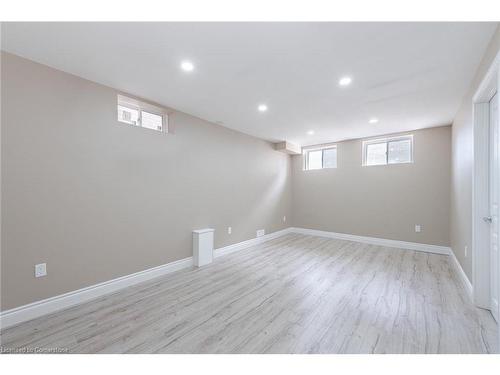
{"x":294,"y":294}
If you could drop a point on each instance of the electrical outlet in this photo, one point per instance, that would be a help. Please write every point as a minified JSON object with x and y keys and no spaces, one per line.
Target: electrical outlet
{"x":284,"y":219}
{"x":418,"y":229}
{"x":465,"y":250}
{"x":40,"y":269}
{"x":261,"y":232}
{"x":229,"y":230}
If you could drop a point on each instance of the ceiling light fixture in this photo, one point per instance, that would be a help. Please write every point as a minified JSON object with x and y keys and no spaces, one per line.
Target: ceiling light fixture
{"x":187,"y":66}
{"x":345,"y":81}
{"x":262,"y":107}
{"x":310,"y":132}
{"x":373,"y":120}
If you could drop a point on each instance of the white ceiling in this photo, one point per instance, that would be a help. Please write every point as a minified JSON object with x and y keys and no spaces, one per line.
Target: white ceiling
{"x":409,"y":75}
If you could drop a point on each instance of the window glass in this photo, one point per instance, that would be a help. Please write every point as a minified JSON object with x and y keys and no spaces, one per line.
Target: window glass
{"x":399,"y":151}
{"x":128,"y":115}
{"x":321,"y":158}
{"x":376,"y":153}
{"x":315,"y":159}
{"x":138,"y":113}
{"x":151,"y":120}
{"x":330,"y":158}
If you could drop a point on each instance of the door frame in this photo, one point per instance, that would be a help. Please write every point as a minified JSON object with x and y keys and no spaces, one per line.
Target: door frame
{"x":480,"y":185}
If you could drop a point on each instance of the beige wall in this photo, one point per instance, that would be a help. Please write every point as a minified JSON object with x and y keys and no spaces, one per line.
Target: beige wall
{"x":462,"y":159}
{"x":379,"y":201}
{"x":96,"y":199}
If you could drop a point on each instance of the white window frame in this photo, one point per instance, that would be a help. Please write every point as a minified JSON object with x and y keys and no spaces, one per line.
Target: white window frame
{"x":386,"y":140}
{"x":306,"y":151}
{"x":141,"y":106}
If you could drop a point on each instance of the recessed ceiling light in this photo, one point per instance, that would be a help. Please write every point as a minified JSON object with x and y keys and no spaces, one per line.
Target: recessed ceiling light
{"x":345,"y":81}
{"x":262,"y":107}
{"x":373,"y":120}
{"x":310,"y":132}
{"x":187,"y":66}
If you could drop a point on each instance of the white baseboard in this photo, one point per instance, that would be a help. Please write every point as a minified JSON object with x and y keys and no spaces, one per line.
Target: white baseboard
{"x":36,"y":309}
{"x":251,"y":242}
{"x":444,"y":250}
{"x":455,"y":264}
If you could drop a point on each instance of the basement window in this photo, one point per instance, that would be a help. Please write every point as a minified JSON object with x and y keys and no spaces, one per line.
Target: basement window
{"x":394,"y":150}
{"x":137,"y":113}
{"x":320,"y":158}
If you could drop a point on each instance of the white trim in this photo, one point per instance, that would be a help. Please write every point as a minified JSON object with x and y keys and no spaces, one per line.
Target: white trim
{"x":488,"y":86}
{"x":36,"y":309}
{"x":480,"y":185}
{"x":444,"y":250}
{"x":385,"y":140}
{"x":141,"y":106}
{"x":251,"y":242}
{"x":47,"y":306}
{"x":461,"y":274}
{"x":307,"y":150}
